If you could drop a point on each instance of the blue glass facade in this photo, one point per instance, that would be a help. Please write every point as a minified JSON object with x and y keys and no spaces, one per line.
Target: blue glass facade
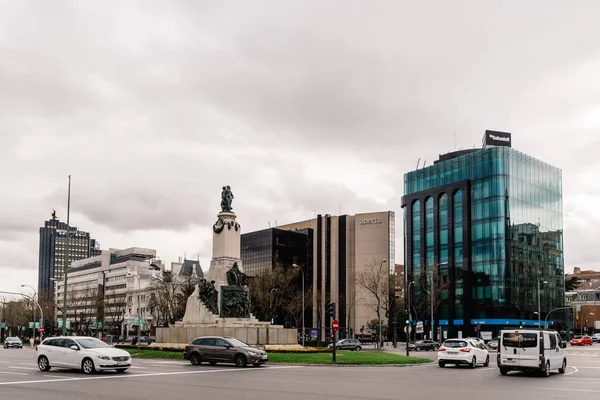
{"x":482,"y":228}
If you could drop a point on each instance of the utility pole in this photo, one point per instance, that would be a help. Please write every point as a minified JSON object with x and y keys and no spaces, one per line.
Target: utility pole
{"x":66,"y":265}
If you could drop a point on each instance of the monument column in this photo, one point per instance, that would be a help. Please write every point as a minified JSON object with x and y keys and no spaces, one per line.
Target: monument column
{"x":226,"y":243}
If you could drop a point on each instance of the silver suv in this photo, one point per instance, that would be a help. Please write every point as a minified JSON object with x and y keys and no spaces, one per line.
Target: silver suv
{"x":214,"y":349}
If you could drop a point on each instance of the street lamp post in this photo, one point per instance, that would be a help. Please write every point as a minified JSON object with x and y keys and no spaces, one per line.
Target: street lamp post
{"x":66,"y":263}
{"x":431,"y":295}
{"x":379,"y":309}
{"x":30,"y":298}
{"x":539,"y":302}
{"x":408,"y":327}
{"x":301,"y":270}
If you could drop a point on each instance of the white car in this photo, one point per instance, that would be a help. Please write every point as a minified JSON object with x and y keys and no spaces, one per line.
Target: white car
{"x":81,"y":352}
{"x":463,"y":351}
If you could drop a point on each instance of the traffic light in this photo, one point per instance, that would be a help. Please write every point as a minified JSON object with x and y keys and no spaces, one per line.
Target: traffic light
{"x":521,"y":323}
{"x":330,"y":309}
{"x":407,"y":317}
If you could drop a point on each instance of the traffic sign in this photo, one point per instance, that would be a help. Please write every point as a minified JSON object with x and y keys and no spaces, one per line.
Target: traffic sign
{"x":42,"y":329}
{"x":335,"y":325}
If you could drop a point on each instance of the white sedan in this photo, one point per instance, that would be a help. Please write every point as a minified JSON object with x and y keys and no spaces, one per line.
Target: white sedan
{"x":81,"y":352}
{"x":463,"y":352}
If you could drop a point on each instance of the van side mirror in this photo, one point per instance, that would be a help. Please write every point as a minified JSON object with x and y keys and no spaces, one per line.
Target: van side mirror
{"x":563,"y":345}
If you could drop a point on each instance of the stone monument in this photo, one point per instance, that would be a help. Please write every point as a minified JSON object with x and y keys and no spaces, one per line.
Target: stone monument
{"x":221,"y":303}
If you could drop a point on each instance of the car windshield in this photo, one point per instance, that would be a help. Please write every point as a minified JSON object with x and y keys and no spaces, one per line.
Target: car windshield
{"x":92,"y":343}
{"x":13,"y":338}
{"x":237,"y":343}
{"x":578,"y":337}
{"x":455,"y":343}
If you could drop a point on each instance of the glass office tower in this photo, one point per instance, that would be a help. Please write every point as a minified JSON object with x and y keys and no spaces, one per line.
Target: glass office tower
{"x":483,"y":230}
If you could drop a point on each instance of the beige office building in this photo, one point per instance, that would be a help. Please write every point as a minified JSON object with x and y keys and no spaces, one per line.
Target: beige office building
{"x":342,"y":248}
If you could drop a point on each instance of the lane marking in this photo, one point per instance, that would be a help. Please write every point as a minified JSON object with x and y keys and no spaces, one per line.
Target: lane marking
{"x":136,"y":367}
{"x":56,"y":376}
{"x":29,"y":368}
{"x":13,"y":373}
{"x":6,"y":362}
{"x":574,"y":367}
{"x":30,"y":364}
{"x":121,"y":376}
{"x":572,"y":390}
{"x":575,"y":370}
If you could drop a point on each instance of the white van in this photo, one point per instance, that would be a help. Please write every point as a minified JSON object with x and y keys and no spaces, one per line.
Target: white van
{"x":531,"y":350}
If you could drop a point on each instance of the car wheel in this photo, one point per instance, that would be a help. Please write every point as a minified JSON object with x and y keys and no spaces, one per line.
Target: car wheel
{"x":564,"y":366}
{"x":212,"y":362}
{"x":473,"y":362}
{"x":87,"y":366}
{"x":240,"y":360}
{"x":435,"y":348}
{"x":418,"y":348}
{"x":487,"y":361}
{"x":43,"y":364}
{"x":546,"y":370}
{"x":195,"y":359}
{"x":441,"y":364}
{"x":503,"y":371}
{"x":338,"y":348}
{"x":358,"y":348}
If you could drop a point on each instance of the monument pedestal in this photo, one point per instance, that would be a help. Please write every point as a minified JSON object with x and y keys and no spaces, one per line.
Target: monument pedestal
{"x":233,"y":300}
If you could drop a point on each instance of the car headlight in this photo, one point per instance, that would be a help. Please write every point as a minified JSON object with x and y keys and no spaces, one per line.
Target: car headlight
{"x":253,"y":353}
{"x":104,"y":358}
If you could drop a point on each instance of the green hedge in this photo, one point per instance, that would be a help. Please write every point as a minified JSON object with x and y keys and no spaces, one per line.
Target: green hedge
{"x":146,"y":347}
{"x":306,"y":351}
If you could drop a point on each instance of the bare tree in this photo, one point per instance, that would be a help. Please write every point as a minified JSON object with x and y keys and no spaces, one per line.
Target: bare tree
{"x":431,"y":287}
{"x":349,"y":301}
{"x":271,"y":290}
{"x":374,"y":278}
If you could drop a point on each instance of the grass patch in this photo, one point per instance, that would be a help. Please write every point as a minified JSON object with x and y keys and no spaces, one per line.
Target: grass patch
{"x":169,"y":355}
{"x":342,"y":357}
{"x":347,"y":357}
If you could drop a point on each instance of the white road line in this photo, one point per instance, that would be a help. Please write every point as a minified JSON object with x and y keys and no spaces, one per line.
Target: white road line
{"x":138,"y":367}
{"x":27,"y":364}
{"x":121,"y":376}
{"x":571,"y":373}
{"x":29,"y":368}
{"x":13,"y":373}
{"x":6,"y":362}
{"x":56,"y":376}
{"x":574,"y":367}
{"x":572,"y":390}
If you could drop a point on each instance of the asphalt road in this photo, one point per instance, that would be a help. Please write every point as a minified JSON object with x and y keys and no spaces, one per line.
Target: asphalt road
{"x":159,"y":380}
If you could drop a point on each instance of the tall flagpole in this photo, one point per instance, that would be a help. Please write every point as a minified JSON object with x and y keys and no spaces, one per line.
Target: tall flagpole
{"x":66,"y":264}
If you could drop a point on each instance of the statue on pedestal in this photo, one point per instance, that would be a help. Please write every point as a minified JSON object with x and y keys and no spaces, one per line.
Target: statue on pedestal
{"x":235,"y":277}
{"x":226,"y":199}
{"x":208,"y":295}
{"x":235,"y":298}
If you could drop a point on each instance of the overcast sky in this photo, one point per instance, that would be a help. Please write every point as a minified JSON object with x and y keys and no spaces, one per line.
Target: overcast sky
{"x":300,"y":106}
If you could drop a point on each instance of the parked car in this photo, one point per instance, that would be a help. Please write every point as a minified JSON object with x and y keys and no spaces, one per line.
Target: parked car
{"x":596,"y":337}
{"x":493,"y":344}
{"x":13,"y":341}
{"x":81,"y":352}
{"x":214,"y":349}
{"x":581,"y":340}
{"x":347,"y":344}
{"x":423,"y":345}
{"x":531,"y":350}
{"x":463,"y":352}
